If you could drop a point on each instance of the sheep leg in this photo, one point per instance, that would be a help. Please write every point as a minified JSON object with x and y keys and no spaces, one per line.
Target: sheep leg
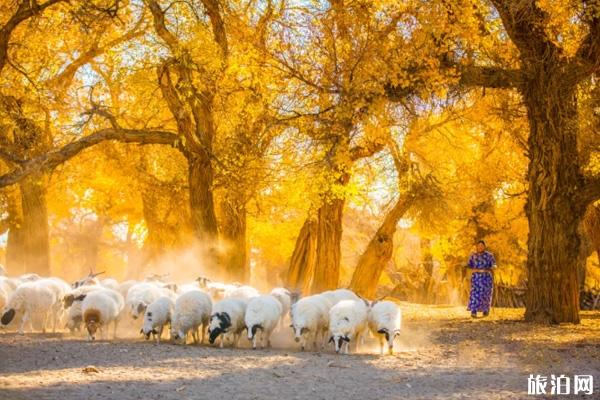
{"x":221,"y":342}
{"x":44,"y":318}
{"x":204,"y":328}
{"x":268,"y":338}
{"x":356,"y":342}
{"x":380,"y":344}
{"x":54,"y":317}
{"x":160,"y":331}
{"x":24,"y":320}
{"x":323,"y":338}
{"x":254,"y":341}
{"x":115,"y":328}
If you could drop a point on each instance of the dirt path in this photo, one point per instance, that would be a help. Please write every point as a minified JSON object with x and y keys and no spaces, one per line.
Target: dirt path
{"x":442,"y":354}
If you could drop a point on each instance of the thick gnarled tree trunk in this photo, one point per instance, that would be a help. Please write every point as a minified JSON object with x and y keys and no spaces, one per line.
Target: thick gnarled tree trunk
{"x":302,"y":263}
{"x":329,"y":237}
{"x":233,"y":235}
{"x":378,"y":252}
{"x":203,"y":218}
{"x":552,"y":208}
{"x":15,"y":244}
{"x":35,"y":225}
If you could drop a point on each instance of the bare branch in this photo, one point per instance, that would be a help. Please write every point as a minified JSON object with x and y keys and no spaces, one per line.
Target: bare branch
{"x":47,"y":162}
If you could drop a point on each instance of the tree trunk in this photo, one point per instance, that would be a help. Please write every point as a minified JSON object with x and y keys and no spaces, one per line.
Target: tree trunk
{"x":159,"y":237}
{"x":302,"y":263}
{"x":379,"y":251}
{"x":15,"y":245}
{"x":35,"y":225}
{"x":233,"y":234}
{"x":329,"y":237}
{"x":202,"y":209}
{"x":427,"y":262}
{"x":554,"y":216}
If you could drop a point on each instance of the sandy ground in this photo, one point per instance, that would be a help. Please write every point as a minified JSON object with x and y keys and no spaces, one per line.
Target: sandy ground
{"x":442,"y":354}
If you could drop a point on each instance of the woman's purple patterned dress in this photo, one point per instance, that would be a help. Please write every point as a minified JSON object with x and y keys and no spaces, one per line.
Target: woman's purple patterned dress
{"x":482,"y":283}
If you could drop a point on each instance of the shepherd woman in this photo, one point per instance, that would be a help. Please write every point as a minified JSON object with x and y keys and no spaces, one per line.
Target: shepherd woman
{"x":481,"y":264}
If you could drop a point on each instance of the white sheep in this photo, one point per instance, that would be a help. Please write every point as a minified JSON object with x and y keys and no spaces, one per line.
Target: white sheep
{"x":91,"y":279}
{"x":30,"y":299}
{"x":4,"y":294}
{"x":158,"y":314}
{"x":348,"y":322}
{"x":72,"y":303}
{"x":60,"y":289}
{"x":125,"y":286}
{"x":241,"y":292}
{"x":337,"y":295}
{"x":110,"y":283}
{"x":385,"y":319}
{"x":286,"y":298}
{"x":227,"y":321}
{"x":192,"y":310}
{"x":310,"y":320}
{"x":7,"y":286}
{"x":142,"y":294}
{"x":29,"y":277}
{"x":189,"y":286}
{"x":100,"y":308}
{"x":262,"y":314}
{"x":218,"y":290}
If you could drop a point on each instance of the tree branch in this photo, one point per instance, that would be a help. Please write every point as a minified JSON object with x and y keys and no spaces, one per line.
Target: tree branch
{"x":64,"y":79}
{"x":588,"y":52}
{"x":525,"y":22}
{"x":591,"y":190}
{"x":490,"y":77}
{"x":367,"y":150}
{"x":161,"y":29}
{"x":218,"y":25}
{"x":47,"y":162}
{"x":26,"y":10}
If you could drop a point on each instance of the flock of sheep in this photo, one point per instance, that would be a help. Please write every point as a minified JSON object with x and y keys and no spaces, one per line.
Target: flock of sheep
{"x":196,"y":308}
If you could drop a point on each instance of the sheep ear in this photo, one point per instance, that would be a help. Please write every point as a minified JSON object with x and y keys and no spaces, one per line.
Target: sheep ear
{"x":331,"y":339}
{"x":68,"y":300}
{"x":142,"y":330}
{"x":346,"y":339}
{"x":382,"y":330}
{"x":291,"y":325}
{"x":8,"y":316}
{"x":80,"y":297}
{"x":141,"y":308}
